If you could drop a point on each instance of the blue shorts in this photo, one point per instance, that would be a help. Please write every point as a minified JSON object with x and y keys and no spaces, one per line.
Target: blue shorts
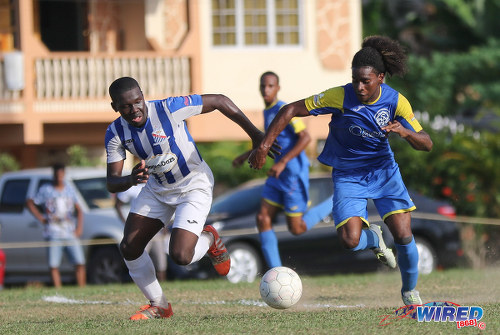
{"x":70,"y":245}
{"x":292,"y":196}
{"x":383,"y":184}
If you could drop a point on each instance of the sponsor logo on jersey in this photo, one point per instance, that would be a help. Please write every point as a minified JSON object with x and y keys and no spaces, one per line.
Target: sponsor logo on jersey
{"x":161,"y":163}
{"x":187,"y":100}
{"x":317,"y":99}
{"x":357,"y":108}
{"x":358,"y":131}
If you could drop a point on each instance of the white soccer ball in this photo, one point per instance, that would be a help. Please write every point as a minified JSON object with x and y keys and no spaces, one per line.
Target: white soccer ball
{"x":281,"y":287}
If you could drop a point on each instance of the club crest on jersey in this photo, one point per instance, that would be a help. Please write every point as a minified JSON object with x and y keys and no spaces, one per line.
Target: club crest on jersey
{"x":161,"y":163}
{"x":382,"y":117}
{"x":159,"y":136}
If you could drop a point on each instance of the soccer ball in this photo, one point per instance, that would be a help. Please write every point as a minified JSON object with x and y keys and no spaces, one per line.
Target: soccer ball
{"x":281,"y":287}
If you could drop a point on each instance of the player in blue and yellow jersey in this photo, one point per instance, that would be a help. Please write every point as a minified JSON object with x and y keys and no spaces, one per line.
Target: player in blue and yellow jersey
{"x":287,"y":187}
{"x":178,"y":182}
{"x":364,"y":113}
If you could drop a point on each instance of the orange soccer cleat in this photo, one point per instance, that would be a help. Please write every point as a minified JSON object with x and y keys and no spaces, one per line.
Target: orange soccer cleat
{"x":152,"y":312}
{"x":218,"y":253}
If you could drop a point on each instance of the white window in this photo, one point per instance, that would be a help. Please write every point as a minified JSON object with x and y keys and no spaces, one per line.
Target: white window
{"x":256,"y":23}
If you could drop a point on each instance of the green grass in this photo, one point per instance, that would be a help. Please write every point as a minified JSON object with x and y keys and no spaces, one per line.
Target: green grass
{"x":340,"y":304}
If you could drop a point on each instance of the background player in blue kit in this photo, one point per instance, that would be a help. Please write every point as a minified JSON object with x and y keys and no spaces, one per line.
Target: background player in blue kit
{"x":178,"y":181}
{"x":363,"y":113}
{"x":287,"y":187}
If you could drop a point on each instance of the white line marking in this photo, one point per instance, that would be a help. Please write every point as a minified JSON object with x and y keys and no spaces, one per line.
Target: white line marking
{"x":63,"y":300}
{"x":245,"y":302}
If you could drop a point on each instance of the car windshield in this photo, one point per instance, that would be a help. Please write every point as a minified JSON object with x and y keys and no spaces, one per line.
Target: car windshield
{"x":237,"y":203}
{"x":94,"y":192}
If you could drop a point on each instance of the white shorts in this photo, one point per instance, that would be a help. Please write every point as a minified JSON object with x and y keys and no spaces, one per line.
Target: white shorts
{"x":187,"y":201}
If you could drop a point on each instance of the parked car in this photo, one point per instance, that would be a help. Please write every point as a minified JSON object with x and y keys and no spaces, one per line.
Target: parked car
{"x":21,"y":234}
{"x":319,"y":251}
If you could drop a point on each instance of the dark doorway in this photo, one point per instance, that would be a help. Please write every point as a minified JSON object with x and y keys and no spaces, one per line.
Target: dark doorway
{"x":64,"y":24}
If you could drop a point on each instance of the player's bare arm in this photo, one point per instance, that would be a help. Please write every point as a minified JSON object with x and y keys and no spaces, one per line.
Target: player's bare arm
{"x":419,"y":141}
{"x":304,"y":138}
{"x":115,"y":182}
{"x":227,"y":107}
{"x":257,"y":158}
{"x":30,"y":204}
{"x":79,"y":221}
{"x":238,"y":161}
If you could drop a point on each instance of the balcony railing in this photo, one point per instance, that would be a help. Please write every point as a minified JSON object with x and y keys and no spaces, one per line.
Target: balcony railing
{"x":77,"y":77}
{"x":90,"y":77}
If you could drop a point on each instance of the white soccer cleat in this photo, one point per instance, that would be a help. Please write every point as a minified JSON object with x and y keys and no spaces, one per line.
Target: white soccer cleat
{"x":384,"y":254}
{"x":411,"y":298}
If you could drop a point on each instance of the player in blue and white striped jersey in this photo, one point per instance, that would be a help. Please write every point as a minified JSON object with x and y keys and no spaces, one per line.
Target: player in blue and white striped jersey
{"x":178,"y":181}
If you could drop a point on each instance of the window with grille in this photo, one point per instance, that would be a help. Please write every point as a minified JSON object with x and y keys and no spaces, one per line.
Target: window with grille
{"x":242,"y":23}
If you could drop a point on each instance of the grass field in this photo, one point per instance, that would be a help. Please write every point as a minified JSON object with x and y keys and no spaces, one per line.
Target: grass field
{"x":340,"y":304}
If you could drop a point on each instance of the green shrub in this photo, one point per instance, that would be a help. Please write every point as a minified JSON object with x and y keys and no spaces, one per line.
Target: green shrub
{"x":8,"y":163}
{"x":462,"y":168}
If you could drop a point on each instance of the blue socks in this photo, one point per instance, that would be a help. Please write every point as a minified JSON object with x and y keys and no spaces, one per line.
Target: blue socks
{"x":367,"y":240}
{"x":269,"y":245}
{"x":314,"y":215}
{"x":407,"y":257}
{"x":269,"y":242}
{"x":408,"y":264}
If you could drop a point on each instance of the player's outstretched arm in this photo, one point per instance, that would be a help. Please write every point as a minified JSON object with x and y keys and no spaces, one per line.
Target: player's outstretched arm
{"x":227,"y":107}
{"x":257,"y":158}
{"x":419,"y":141}
{"x":115,"y":182}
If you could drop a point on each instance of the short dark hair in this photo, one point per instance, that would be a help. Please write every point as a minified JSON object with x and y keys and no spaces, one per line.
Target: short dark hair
{"x":383,"y":54}
{"x":58,"y":166}
{"x":270,"y":73}
{"x":121,"y":85}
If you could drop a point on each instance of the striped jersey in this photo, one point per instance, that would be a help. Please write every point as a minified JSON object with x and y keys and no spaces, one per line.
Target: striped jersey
{"x":356,"y":138}
{"x":163,"y":142}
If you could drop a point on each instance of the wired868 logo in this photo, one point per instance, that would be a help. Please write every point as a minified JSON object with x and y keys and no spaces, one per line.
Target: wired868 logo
{"x":439,"y":311}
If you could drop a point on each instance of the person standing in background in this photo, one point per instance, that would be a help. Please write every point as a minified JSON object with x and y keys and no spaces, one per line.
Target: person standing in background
{"x":62,"y":219}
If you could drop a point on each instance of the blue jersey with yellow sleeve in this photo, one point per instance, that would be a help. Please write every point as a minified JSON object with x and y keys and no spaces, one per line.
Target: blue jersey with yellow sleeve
{"x":299,"y":165}
{"x":288,"y":137}
{"x":356,"y":138}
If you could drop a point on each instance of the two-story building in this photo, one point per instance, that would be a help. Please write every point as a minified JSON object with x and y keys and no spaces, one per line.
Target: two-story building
{"x":57,"y":59}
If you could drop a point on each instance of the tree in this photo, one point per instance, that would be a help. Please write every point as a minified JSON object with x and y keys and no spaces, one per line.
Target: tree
{"x":426,"y":26}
